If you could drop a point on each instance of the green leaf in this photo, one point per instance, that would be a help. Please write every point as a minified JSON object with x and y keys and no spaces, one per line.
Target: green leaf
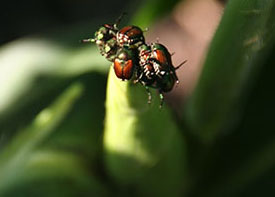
{"x":34,"y":70}
{"x":81,"y":130}
{"x":243,"y":161}
{"x":17,"y":152}
{"x":41,"y":57}
{"x":239,"y":161}
{"x":143,"y":146}
{"x":144,"y":151}
{"x":242,"y":41}
{"x":55,"y":173}
{"x":58,"y":156}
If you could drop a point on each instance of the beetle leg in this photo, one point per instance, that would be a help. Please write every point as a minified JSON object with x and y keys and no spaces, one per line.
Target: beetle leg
{"x":139,"y":78}
{"x":173,"y":73}
{"x":149,"y":95}
{"x":161,"y":99}
{"x":87,"y":40}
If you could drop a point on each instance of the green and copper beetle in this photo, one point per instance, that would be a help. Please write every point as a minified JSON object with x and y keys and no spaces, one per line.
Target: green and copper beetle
{"x":109,"y":38}
{"x":125,"y":63}
{"x":156,"y":69}
{"x":105,"y":39}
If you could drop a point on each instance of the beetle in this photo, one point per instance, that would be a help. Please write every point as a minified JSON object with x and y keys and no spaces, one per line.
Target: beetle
{"x":156,"y":69}
{"x":164,"y":69}
{"x":105,"y":39}
{"x":125,"y":63}
{"x":130,"y":36}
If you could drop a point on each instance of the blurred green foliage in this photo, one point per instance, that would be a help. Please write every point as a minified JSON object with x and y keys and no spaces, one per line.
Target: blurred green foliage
{"x":67,"y":131}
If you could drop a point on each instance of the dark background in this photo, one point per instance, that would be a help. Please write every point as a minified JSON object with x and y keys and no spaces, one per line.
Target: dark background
{"x":21,"y":18}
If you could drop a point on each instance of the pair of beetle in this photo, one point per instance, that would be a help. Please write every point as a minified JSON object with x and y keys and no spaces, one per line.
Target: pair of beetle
{"x":151,"y":65}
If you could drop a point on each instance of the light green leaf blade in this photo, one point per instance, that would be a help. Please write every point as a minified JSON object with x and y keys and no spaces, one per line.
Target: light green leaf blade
{"x":143,"y":145}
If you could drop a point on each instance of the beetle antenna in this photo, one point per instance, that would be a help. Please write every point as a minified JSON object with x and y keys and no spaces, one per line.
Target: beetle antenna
{"x":180,"y":64}
{"x":118,"y":20}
